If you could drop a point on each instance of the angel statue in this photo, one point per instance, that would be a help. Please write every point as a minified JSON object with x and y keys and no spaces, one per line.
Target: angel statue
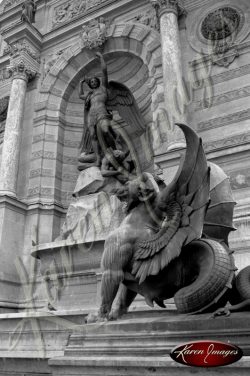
{"x":29,"y":11}
{"x":160,"y":221}
{"x":103,"y":97}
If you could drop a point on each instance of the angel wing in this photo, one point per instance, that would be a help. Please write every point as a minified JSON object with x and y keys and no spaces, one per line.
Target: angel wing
{"x":120,"y":98}
{"x":185,"y":203}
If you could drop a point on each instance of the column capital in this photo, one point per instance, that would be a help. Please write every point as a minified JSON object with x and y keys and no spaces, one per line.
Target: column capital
{"x":24,"y":59}
{"x":20,"y":69}
{"x":169,"y":6}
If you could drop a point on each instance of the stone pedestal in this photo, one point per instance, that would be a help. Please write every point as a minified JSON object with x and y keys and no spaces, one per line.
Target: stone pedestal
{"x":138,"y":345}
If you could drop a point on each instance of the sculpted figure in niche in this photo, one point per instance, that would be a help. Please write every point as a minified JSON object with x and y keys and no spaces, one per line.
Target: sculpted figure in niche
{"x":29,"y":11}
{"x":119,"y":165}
{"x":104,"y":97}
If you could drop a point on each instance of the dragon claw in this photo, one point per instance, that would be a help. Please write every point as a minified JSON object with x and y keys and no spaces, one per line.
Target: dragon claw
{"x":222,"y":312}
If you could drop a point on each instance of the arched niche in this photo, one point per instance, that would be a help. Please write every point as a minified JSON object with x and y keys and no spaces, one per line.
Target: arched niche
{"x":133,"y":55}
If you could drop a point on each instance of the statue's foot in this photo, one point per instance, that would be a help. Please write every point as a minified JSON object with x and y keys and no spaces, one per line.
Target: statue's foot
{"x":222,"y":312}
{"x":116,"y":314}
{"x":95,"y":317}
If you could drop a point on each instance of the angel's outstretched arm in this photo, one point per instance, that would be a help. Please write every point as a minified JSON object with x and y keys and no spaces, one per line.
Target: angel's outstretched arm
{"x":104,"y":70}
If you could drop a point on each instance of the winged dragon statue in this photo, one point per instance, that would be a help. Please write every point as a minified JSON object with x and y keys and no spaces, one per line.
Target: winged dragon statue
{"x":171,"y":242}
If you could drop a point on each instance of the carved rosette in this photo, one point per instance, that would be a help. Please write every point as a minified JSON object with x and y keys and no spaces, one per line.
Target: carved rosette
{"x":169,"y":6}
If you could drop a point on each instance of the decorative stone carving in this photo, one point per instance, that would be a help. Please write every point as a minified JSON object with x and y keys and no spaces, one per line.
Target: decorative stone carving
{"x":22,"y":46}
{"x":29,"y":11}
{"x":225,"y":59}
{"x":169,"y":6}
{"x":70,"y":9}
{"x":94,"y":34}
{"x":4,"y":74}
{"x":48,"y":64}
{"x":4,"y":102}
{"x":220,"y":24}
{"x":148,"y":18}
{"x":21,"y":70}
{"x":9,"y":3}
{"x":220,"y":29}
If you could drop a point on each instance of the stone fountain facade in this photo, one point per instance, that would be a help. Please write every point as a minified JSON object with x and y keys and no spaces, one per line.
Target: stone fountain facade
{"x":180,"y":68}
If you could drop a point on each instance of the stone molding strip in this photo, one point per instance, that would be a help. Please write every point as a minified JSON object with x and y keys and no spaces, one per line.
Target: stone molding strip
{"x":224,"y":120}
{"x":223,"y":98}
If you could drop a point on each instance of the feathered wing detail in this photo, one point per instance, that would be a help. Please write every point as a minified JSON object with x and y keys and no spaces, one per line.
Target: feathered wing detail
{"x":185,"y":202}
{"x":120,"y":98}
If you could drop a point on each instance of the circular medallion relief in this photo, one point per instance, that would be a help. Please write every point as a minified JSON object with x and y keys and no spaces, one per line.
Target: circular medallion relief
{"x":220,"y":24}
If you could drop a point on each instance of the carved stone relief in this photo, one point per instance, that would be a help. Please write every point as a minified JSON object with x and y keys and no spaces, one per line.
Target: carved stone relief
{"x":70,"y":9}
{"x":50,"y":61}
{"x":22,"y":46}
{"x":148,"y":18}
{"x":4,"y":74}
{"x":8,"y":4}
{"x":94,"y":34}
{"x":218,"y":30}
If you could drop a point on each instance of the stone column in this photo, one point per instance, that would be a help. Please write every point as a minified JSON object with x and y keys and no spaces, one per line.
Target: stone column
{"x":13,"y":129}
{"x":168,"y":12}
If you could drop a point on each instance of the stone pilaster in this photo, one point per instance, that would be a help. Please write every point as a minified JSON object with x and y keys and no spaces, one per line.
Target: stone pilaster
{"x":168,"y":12}
{"x":13,"y":129}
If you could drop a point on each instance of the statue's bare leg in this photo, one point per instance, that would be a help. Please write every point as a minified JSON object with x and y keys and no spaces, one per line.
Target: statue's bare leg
{"x":97,"y":152}
{"x":124,"y":300}
{"x":105,"y":135}
{"x":116,"y":257}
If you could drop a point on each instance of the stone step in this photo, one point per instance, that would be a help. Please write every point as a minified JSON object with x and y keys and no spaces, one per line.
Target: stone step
{"x":157,"y":335}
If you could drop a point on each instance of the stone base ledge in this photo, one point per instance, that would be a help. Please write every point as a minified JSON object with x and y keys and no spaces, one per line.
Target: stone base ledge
{"x":129,"y":366}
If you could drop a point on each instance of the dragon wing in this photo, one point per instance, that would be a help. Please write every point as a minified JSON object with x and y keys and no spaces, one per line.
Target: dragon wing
{"x":120,"y":98}
{"x":184,"y":203}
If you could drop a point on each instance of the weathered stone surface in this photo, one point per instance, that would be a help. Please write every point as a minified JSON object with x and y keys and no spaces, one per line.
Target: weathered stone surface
{"x":12,"y":137}
{"x":172,"y":76}
{"x":89,"y":181}
{"x":91,"y":217}
{"x":141,"y":345}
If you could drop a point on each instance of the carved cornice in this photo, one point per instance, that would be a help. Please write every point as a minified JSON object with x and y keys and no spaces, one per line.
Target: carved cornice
{"x":169,"y":6}
{"x":21,"y":46}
